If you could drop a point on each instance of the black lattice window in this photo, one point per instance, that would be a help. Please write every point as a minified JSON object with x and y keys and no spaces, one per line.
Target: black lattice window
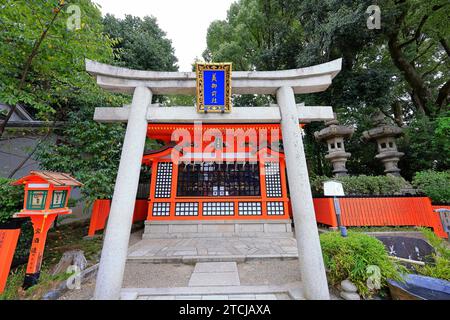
{"x":209,"y":179}
{"x":161,"y":209}
{"x":273,"y":179}
{"x":275,"y":208}
{"x":249,"y":209}
{"x":186,"y":209}
{"x":218,"y":208}
{"x":163,"y":180}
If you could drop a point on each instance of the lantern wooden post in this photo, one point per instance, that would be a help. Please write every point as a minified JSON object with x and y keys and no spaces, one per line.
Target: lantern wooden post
{"x":41,"y":225}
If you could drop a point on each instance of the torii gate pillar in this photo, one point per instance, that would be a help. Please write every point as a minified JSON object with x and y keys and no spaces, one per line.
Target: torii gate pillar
{"x":117,"y":234}
{"x":312,"y":269}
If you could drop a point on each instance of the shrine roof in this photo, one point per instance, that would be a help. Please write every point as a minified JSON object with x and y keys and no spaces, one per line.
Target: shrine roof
{"x":164,"y":148}
{"x":56,"y":178}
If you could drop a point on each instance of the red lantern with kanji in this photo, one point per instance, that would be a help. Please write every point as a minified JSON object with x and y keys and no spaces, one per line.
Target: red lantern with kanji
{"x":46,"y":197}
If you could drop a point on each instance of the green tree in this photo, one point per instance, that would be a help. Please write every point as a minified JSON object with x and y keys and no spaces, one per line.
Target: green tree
{"x":90,"y":150}
{"x":43,"y":60}
{"x":87,"y":149}
{"x":418,"y":36}
{"x":141,"y":44}
{"x":371,"y":80}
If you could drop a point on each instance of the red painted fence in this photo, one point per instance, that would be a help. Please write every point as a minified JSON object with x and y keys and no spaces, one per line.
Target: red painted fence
{"x":380,"y":211}
{"x":100,"y":212}
{"x":363,"y":211}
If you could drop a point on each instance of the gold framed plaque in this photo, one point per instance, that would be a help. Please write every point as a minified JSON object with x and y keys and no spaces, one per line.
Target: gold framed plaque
{"x":214,"y":87}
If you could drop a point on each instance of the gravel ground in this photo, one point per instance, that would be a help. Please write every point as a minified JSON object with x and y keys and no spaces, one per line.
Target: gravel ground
{"x":139,"y":275}
{"x":85,"y":293}
{"x":156,"y":275}
{"x":269,"y":272}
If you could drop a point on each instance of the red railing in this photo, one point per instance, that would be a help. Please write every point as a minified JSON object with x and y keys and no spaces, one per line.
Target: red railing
{"x":361,"y":211}
{"x":100,"y":212}
{"x":325,"y":211}
{"x":380,"y":211}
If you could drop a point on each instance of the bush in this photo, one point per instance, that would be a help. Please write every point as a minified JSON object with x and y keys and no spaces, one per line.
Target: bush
{"x":363,"y":185}
{"x":350,"y":257}
{"x":435,"y":185}
{"x":11,"y":199}
{"x":441,"y":266}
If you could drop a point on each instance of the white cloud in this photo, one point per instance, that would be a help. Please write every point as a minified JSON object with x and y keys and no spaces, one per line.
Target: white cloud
{"x":185,"y":22}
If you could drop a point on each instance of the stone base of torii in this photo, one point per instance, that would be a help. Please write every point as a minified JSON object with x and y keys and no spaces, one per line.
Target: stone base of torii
{"x":143,"y":84}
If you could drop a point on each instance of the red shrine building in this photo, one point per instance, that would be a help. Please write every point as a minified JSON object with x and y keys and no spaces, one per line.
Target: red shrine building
{"x":217,"y":178}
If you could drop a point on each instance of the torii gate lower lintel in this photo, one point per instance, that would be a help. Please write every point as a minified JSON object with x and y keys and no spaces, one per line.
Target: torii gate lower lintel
{"x":143,"y":84}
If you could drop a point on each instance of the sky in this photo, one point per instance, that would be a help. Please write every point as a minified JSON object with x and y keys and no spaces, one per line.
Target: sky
{"x":185,"y":22}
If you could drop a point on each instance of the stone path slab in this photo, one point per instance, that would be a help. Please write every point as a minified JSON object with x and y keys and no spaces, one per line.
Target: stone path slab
{"x":278,"y":296}
{"x":285,"y":292}
{"x":215,"y":267}
{"x":215,"y":274}
{"x":191,"y":250}
{"x":214,"y":279}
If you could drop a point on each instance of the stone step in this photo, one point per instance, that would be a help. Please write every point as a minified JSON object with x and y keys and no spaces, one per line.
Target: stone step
{"x":215,"y":274}
{"x":192,"y":250}
{"x":258,"y":228}
{"x":218,"y":258}
{"x":271,"y":292}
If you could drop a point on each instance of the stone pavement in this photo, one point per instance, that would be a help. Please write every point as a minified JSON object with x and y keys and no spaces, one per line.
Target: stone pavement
{"x":212,"y":249}
{"x":216,"y":281}
{"x":216,"y":274}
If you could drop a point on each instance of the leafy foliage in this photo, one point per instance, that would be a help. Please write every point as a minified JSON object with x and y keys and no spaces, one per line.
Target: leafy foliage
{"x":272,"y":35}
{"x":87,"y":149}
{"x":140,"y":43}
{"x":11,"y":199}
{"x":426,"y":146}
{"x":57,"y":71}
{"x":363,"y":185}
{"x":441,"y":267}
{"x":435,"y":185}
{"x":349,"y":257}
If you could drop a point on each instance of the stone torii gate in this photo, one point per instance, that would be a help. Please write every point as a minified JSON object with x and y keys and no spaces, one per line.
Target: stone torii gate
{"x":143,"y":84}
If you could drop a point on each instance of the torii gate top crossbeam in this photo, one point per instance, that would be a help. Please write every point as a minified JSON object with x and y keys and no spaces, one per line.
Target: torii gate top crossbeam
{"x":304,"y":80}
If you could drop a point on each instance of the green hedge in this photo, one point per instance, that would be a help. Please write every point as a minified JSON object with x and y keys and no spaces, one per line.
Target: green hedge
{"x":354,"y":256}
{"x":435,"y":185}
{"x":363,"y":185}
{"x":11,"y":199}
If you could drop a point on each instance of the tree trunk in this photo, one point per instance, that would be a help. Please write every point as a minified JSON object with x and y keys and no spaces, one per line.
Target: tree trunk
{"x":421,"y":95}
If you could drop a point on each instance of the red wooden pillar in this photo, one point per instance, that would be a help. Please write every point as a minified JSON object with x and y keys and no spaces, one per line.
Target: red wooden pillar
{"x":262,"y":183}
{"x":151,"y":197}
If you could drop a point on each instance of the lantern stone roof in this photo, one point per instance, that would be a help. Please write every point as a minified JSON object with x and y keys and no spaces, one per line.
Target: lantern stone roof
{"x":55,"y":178}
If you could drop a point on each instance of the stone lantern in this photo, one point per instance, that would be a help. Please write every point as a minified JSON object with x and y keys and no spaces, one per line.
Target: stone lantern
{"x":385,"y":134}
{"x":334,"y":135}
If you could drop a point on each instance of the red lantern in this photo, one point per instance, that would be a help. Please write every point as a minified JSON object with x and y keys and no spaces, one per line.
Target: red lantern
{"x":46,"y":196}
